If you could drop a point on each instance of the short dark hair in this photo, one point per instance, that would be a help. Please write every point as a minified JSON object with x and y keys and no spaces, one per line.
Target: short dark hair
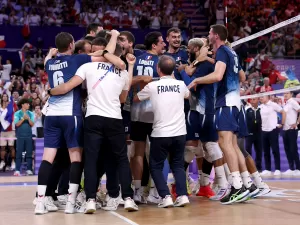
{"x":79,"y":46}
{"x":99,"y":41}
{"x":220,"y":30}
{"x":128,"y":35}
{"x":173,"y":29}
{"x":101,"y":33}
{"x":89,"y":38}
{"x":23,"y":101}
{"x":152,"y":38}
{"x":92,"y":27}
{"x":63,"y":41}
{"x":166,"y":64}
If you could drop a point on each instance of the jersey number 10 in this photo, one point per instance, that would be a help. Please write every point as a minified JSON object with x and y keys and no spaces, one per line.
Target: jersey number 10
{"x":58,"y":78}
{"x":147,"y":70}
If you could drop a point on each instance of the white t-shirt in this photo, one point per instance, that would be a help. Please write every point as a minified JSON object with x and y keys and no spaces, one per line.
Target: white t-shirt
{"x":268,"y":112}
{"x":291,"y":108}
{"x":5,"y":73}
{"x":103,"y":94}
{"x":167,"y":99}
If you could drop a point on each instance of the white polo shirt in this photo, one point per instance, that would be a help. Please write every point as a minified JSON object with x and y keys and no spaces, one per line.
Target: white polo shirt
{"x":268,"y":112}
{"x":5,"y":73}
{"x":291,"y":108}
{"x":167,"y":98}
{"x":104,"y":84}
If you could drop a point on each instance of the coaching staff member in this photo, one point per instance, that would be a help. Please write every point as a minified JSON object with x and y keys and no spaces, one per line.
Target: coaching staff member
{"x":169,"y":129}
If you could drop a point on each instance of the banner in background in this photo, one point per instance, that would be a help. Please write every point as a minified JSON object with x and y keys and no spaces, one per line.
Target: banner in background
{"x":283,"y":64}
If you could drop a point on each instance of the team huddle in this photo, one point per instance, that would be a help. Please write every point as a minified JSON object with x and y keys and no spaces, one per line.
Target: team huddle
{"x":143,"y":107}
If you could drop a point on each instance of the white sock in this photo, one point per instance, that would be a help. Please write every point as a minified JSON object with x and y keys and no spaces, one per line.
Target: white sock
{"x":152,"y":184}
{"x":41,"y":189}
{"x":236,"y":180}
{"x":228,"y":173}
{"x":257,"y":180}
{"x":73,"y":188}
{"x":221,"y":177}
{"x":246,"y":179}
{"x":137,"y":184}
{"x":204,"y":180}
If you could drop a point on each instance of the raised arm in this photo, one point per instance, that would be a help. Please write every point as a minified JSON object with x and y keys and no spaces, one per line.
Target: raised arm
{"x":131,"y":60}
{"x":52,"y":52}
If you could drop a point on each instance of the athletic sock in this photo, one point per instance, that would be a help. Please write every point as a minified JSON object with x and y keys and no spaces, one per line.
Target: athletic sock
{"x":237,"y":180}
{"x":43,"y":175}
{"x":73,"y":188}
{"x":204,"y":180}
{"x":41,"y":191}
{"x":246,"y":179}
{"x":75,"y":172}
{"x":137,"y":184}
{"x":221,"y":177}
{"x":228,"y":173}
{"x":257,"y":180}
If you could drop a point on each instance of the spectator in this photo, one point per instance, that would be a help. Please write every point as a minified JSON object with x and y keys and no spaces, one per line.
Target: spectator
{"x":37,"y":120}
{"x":266,"y":87}
{"x":24,"y":121}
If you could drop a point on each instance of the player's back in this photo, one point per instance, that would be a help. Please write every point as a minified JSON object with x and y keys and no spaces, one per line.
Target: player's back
{"x":60,"y":70}
{"x":228,"y":89}
{"x":145,"y":65}
{"x":203,"y":99}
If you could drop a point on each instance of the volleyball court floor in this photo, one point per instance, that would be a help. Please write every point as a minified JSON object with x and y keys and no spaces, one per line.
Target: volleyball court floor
{"x":281,"y":206}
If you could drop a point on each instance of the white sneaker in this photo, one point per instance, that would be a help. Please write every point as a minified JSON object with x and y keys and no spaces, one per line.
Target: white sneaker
{"x":90,"y":206}
{"x":112,"y":204}
{"x":70,"y":208}
{"x":139,"y":196}
{"x":120,"y":199}
{"x":288,"y":173}
{"x":263,"y":189}
{"x":2,"y":164}
{"x":130,"y":205}
{"x":196,"y":187}
{"x":81,"y":197}
{"x":266,"y":173}
{"x":49,"y":204}
{"x":296,"y":173}
{"x":13,"y":165}
{"x":40,"y":207}
{"x":166,"y":202}
{"x":220,"y":193}
{"x":277,"y":173}
{"x":181,"y":201}
{"x":34,"y":201}
{"x":62,"y":199}
{"x":154,"y":196}
{"x":17,"y":173}
{"x":29,"y":173}
{"x":100,"y":196}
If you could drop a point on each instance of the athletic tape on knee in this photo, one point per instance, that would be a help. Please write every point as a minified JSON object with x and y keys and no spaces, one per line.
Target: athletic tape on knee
{"x":199,"y":152}
{"x":189,"y":153}
{"x":213,"y":150}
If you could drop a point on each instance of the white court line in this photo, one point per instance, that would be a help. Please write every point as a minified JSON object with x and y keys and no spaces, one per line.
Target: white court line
{"x":280,"y":188}
{"x":123,"y":218}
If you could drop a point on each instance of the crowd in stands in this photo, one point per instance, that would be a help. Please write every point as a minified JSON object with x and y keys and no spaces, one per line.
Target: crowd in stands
{"x":126,"y":14}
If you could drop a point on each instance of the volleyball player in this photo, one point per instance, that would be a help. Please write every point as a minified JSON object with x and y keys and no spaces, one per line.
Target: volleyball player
{"x":141,"y":113}
{"x":226,"y":75}
{"x":64,"y":117}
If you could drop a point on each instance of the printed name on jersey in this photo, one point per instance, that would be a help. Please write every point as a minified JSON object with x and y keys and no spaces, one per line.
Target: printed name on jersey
{"x":58,"y":66}
{"x":110,"y":68}
{"x":146,"y":62}
{"x":168,"y":88}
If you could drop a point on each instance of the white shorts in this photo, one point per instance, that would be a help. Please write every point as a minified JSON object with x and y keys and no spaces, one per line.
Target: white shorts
{"x":7,"y":134}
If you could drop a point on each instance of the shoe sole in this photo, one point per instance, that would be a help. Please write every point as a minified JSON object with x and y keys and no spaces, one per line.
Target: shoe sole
{"x":263,"y":193}
{"x":131,"y":209}
{"x":182,"y":205}
{"x":70,"y":212}
{"x":40,"y":212}
{"x":90,"y":211}
{"x":237,"y":198}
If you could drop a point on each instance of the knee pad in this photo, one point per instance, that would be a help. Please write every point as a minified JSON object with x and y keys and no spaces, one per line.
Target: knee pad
{"x":199,"y":152}
{"x":189,"y":153}
{"x":213,"y":150}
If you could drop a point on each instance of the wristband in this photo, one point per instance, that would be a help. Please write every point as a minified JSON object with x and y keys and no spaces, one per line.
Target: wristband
{"x":49,"y":92}
{"x":104,"y":52}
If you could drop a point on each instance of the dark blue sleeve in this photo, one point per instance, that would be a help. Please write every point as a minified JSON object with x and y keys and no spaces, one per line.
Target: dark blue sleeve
{"x":186,"y":78}
{"x":81,"y":59}
{"x":222,"y":56}
{"x":138,"y":52}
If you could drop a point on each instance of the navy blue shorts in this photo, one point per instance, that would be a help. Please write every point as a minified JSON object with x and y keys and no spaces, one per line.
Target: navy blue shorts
{"x":208,"y":132}
{"x":61,"y":130}
{"x":243,"y":129}
{"x":140,"y":131}
{"x":226,"y":119}
{"x":193,"y":125}
{"x":126,"y":121}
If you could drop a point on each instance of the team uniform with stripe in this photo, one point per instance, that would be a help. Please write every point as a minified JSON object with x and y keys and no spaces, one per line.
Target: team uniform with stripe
{"x":63,"y":119}
{"x":228,"y":102}
{"x":142,"y":113}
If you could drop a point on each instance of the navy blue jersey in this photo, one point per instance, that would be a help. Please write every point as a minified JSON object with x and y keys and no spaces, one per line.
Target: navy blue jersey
{"x":180,"y":57}
{"x":60,"y":70}
{"x":203,"y":99}
{"x":228,"y":89}
{"x":138,"y":52}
